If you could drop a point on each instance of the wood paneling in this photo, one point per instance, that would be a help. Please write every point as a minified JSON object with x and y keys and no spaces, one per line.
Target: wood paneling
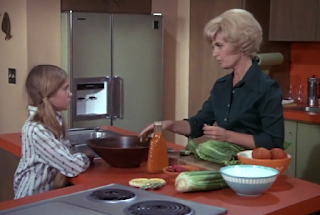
{"x":108,"y":6}
{"x":318,"y":22}
{"x":204,"y":70}
{"x":293,"y":20}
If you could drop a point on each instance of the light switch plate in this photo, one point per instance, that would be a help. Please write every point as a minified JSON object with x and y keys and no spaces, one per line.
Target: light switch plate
{"x":12,"y":76}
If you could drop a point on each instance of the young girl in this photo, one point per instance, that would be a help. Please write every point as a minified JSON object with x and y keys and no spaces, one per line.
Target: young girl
{"x":46,"y":155}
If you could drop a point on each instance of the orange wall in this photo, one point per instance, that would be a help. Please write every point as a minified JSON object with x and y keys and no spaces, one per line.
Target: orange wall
{"x":305,"y":62}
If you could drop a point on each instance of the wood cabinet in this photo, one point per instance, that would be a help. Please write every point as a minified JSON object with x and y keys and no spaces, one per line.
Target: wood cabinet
{"x":308,"y":152}
{"x":318,"y":22}
{"x":8,"y":166}
{"x":204,"y":70}
{"x":108,"y":6}
{"x":294,"y":20}
{"x":290,"y":135}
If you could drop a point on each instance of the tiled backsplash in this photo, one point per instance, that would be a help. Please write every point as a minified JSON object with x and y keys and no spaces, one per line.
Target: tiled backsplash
{"x":305,"y":62}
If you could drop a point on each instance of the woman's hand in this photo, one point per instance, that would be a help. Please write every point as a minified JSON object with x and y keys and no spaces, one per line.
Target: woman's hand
{"x":215,"y":133}
{"x":149,"y":129}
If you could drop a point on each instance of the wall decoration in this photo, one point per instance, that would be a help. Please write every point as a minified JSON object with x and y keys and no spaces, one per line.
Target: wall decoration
{"x":6,"y":26}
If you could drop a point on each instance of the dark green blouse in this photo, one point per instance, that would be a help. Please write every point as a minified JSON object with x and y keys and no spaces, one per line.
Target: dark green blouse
{"x":253,"y":107}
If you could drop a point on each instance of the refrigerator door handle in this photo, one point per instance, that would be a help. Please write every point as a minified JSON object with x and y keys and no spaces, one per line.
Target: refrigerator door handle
{"x":109,"y":97}
{"x":118,"y":98}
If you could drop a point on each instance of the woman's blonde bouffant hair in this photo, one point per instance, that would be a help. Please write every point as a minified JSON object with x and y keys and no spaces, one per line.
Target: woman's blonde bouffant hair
{"x":44,"y":81}
{"x":238,"y":27}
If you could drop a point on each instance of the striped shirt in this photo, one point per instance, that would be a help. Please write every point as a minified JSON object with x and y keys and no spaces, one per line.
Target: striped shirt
{"x":43,"y":156}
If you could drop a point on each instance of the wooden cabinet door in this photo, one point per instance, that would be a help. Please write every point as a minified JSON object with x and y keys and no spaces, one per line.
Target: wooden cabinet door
{"x":108,"y":6}
{"x":293,"y":20}
{"x":131,"y":6}
{"x":290,"y":135}
{"x":318,"y":22}
{"x":308,"y":152}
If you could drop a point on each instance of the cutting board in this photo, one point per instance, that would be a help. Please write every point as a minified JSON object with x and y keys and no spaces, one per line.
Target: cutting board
{"x":176,"y":159}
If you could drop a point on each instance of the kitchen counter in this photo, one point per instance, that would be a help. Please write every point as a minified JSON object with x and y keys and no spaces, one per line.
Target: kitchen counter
{"x":287,"y":196}
{"x":12,"y":142}
{"x":302,"y":116}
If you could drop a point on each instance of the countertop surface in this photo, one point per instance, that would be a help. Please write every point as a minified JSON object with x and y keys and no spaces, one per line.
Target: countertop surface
{"x":287,"y":196}
{"x":302,"y":116}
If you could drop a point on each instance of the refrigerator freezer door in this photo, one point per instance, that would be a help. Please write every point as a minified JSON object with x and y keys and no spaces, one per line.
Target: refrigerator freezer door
{"x":137,"y":58}
{"x":91,"y":53}
{"x":91,"y":39}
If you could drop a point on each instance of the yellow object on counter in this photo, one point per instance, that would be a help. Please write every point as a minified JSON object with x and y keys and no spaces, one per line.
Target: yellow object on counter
{"x":139,"y":182}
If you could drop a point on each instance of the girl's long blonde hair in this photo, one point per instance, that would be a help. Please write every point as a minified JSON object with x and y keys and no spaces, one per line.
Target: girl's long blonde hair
{"x":44,"y":81}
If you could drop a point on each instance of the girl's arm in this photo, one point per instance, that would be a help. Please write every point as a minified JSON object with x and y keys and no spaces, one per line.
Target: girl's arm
{"x":56,"y":154}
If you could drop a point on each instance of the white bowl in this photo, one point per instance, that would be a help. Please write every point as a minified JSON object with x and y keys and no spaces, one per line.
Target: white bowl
{"x":249,"y":180}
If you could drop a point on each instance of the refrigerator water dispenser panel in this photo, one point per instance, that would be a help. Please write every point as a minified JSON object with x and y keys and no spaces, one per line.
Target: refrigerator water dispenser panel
{"x":90,"y":98}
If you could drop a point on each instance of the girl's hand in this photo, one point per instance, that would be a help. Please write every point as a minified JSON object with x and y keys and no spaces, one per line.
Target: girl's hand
{"x":215,"y":133}
{"x":90,"y":155}
{"x":60,"y":181}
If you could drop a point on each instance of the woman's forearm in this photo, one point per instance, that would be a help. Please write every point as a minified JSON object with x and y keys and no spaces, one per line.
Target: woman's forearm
{"x":245,"y":140}
{"x":180,"y":127}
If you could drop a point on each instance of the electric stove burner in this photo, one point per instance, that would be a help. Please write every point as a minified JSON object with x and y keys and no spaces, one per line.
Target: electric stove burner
{"x":112,"y":195}
{"x":158,"y":208}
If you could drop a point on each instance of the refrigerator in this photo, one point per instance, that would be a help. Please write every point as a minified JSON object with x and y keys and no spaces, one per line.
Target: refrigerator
{"x":115,"y":65}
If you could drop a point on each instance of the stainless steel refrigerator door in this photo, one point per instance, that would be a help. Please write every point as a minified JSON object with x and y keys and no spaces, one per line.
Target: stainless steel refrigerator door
{"x":137,"y":53}
{"x":91,"y":53}
{"x":91,"y":45}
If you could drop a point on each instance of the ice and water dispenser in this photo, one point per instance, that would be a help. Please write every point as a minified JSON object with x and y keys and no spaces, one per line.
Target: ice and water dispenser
{"x":90,"y":98}
{"x":96,"y":98}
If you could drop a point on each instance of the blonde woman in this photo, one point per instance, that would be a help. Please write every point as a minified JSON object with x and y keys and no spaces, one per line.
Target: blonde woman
{"x":46,"y":159}
{"x":245,"y":104}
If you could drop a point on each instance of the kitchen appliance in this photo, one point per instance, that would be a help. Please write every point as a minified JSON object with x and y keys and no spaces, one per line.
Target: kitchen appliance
{"x":115,"y":199}
{"x":115,"y":66}
{"x":313,"y":91}
{"x":267,"y":60}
